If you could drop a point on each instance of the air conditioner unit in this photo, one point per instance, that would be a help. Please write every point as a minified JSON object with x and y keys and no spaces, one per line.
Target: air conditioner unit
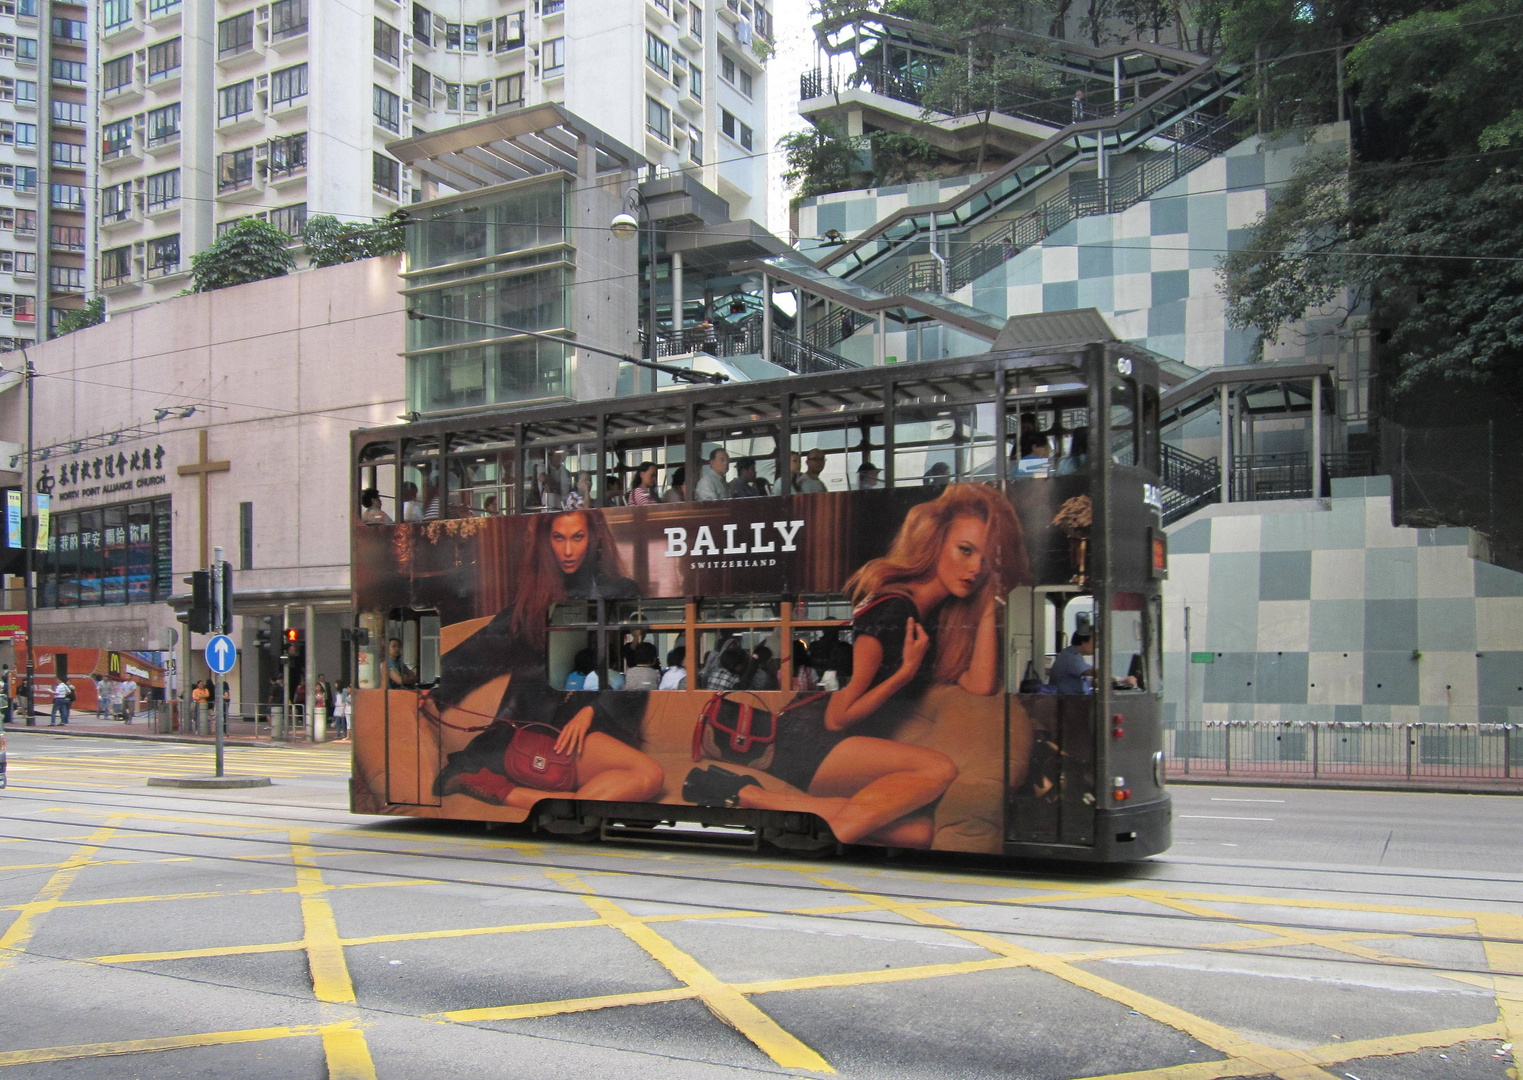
{"x":261,"y":82}
{"x":406,"y":108}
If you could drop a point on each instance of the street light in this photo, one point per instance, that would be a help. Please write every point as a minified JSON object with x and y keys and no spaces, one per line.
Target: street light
{"x":626,"y":226}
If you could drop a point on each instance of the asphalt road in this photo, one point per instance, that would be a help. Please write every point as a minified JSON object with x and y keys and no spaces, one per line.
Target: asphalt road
{"x":1306,"y":935}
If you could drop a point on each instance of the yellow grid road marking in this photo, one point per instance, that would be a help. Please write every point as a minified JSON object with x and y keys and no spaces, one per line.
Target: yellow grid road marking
{"x":16,"y":937}
{"x":1286,"y":1064}
{"x":48,"y":1054}
{"x":325,"y":953}
{"x":722,"y":999}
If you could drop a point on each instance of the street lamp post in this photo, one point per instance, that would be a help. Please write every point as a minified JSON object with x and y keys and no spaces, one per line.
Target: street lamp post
{"x":29,"y":513}
{"x":626,"y":226}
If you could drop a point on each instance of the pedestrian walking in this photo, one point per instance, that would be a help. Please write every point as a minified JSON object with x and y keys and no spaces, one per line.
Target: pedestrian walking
{"x":341,"y":712}
{"x":7,"y":703}
{"x":62,"y":691}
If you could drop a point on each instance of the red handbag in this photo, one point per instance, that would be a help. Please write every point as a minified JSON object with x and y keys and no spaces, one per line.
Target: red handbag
{"x":740,"y":734}
{"x":532,"y":760}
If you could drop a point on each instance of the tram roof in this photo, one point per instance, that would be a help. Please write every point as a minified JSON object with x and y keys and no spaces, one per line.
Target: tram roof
{"x":957,"y":380}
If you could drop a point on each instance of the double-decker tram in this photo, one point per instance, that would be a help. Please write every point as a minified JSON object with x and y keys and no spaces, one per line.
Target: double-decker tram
{"x":915,"y":606}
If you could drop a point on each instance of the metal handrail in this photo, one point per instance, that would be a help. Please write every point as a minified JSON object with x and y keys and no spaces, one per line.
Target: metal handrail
{"x":1084,"y":198}
{"x":1156,"y":116}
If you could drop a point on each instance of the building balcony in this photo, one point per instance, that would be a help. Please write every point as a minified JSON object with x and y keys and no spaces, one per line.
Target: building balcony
{"x":250,"y":120}
{"x":250,"y":55}
{"x":164,"y":145}
{"x":122,"y":219}
{"x":128,"y":154}
{"x":125,"y":31}
{"x":125,"y":94}
{"x":163,"y":14}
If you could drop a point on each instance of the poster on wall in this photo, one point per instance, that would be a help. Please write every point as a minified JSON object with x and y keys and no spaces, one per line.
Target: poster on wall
{"x":896,"y":729}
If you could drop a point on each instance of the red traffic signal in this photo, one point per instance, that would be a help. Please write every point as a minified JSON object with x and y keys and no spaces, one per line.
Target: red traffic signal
{"x":293,"y":636}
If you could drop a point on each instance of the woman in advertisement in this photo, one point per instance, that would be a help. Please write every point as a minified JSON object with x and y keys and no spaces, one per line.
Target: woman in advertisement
{"x":594,"y":753}
{"x":924,"y":617}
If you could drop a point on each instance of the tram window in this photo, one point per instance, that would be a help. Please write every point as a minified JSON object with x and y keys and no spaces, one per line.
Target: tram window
{"x":1031,"y":428}
{"x":757,"y":443}
{"x":820,"y":607}
{"x":1129,"y":642}
{"x":1123,"y":417}
{"x":481,"y":484}
{"x":832,"y":454}
{"x":944,"y":444}
{"x":381,"y":481}
{"x":421,"y":494}
{"x":372,"y":654}
{"x":733,"y":652}
{"x":413,"y":662}
{"x":1150,"y":449}
{"x":555,"y":474}
{"x":738,"y":609}
{"x":625,"y":456}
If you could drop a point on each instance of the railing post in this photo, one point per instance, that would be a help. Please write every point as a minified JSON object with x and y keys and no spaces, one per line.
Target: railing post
{"x":1227,"y":732}
{"x":1507,"y":751}
{"x":1408,"y":729}
{"x":1315,"y":763}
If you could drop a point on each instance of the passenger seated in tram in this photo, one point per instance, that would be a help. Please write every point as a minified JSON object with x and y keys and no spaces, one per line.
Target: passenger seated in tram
{"x":925,"y":618}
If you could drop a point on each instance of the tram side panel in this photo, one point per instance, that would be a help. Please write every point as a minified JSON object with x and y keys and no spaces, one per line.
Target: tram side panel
{"x":444,"y":746}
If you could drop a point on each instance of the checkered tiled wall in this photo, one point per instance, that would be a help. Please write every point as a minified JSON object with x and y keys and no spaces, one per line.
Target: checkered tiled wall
{"x":1150,"y":270}
{"x":1327,"y":611}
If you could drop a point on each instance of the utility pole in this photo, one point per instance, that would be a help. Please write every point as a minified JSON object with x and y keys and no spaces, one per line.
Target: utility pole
{"x":28,"y":513}
{"x":219,"y":625}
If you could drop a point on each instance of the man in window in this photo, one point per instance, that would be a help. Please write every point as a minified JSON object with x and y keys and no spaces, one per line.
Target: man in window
{"x":810,"y":483}
{"x":1073,"y":666}
{"x":744,"y":485}
{"x":712,"y":486}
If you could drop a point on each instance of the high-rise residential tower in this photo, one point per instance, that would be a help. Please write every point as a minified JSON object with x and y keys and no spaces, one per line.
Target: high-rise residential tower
{"x":47,"y":167}
{"x":215,"y":110}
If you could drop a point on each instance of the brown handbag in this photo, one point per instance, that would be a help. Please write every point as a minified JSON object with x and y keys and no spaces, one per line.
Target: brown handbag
{"x":532,"y":760}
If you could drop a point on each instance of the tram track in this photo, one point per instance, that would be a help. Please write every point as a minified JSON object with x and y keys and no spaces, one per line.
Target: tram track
{"x":917,"y":864}
{"x":906,"y":897}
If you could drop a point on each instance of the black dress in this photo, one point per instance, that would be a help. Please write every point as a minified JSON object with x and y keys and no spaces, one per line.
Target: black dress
{"x":495,"y":650}
{"x":803,"y":740}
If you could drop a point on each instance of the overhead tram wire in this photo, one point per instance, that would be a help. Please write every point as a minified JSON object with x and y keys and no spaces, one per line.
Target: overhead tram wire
{"x":681,"y":374}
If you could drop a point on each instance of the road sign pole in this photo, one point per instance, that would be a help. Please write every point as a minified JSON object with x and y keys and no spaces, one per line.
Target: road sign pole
{"x":218,"y":624}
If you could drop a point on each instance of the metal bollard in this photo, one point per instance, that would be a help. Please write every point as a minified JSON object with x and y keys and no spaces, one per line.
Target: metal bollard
{"x":277,"y":722}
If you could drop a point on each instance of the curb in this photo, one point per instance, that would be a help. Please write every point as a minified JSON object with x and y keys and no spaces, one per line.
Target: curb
{"x":1434,"y":787}
{"x":216,"y":782}
{"x":189,"y":740}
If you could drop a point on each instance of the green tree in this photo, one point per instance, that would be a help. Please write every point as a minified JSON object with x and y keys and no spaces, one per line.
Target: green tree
{"x":330,"y":241}
{"x":92,"y":314}
{"x":251,"y":250}
{"x":821,"y":159}
{"x":1426,"y":221}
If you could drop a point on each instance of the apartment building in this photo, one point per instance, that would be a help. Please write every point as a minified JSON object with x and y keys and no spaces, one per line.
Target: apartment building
{"x":682,"y":82}
{"x":215,"y":110}
{"x":47,"y":169}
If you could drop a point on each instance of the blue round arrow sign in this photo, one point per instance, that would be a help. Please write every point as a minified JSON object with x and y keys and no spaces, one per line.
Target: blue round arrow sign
{"x":221,"y":653}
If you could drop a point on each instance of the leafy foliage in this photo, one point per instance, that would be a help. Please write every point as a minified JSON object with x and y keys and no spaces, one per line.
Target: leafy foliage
{"x":92,"y":314}
{"x":1426,"y":221}
{"x":251,"y":250}
{"x":823,"y":159}
{"x":330,"y":241}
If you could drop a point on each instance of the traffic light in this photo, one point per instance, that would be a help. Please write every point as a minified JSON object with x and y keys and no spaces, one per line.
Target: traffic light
{"x":200,"y":615}
{"x":293,"y":636}
{"x":262,"y":640}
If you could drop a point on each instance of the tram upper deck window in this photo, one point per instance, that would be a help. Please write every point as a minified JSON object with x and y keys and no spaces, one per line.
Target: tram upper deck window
{"x":378,"y":484}
{"x":422,"y":494}
{"x":481,"y":483}
{"x":935,"y":445}
{"x":1123,"y":420}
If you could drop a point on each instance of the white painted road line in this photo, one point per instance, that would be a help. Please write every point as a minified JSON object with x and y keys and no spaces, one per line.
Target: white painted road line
{"x":1215,"y":817}
{"x":1215,"y":798}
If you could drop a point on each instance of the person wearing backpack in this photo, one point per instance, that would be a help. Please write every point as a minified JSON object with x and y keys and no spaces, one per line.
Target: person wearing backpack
{"x":63,"y":694}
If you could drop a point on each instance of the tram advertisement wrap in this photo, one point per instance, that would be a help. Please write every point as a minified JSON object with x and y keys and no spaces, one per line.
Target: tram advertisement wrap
{"x":914,"y":747}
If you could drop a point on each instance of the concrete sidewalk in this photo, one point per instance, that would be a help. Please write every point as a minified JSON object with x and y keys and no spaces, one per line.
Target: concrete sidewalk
{"x":238,"y":734}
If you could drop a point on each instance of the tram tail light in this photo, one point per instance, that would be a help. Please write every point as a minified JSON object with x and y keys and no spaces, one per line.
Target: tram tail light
{"x":1117,"y":726}
{"x":1119,"y":791}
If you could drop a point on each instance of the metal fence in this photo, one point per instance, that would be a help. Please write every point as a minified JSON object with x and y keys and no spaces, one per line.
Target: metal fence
{"x":244,"y":719}
{"x":1354,"y":752}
